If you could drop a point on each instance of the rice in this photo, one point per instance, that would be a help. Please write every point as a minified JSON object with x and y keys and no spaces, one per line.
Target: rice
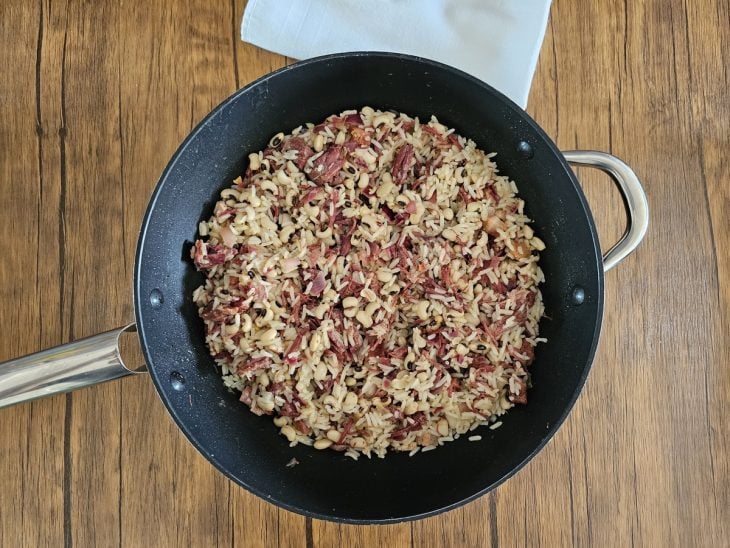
{"x":371,"y":283}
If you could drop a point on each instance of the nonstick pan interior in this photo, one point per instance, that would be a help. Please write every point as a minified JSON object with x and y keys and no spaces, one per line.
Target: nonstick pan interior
{"x":247,"y":448}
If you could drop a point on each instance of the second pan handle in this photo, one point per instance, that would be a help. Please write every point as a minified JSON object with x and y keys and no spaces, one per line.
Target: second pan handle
{"x":637,"y":206}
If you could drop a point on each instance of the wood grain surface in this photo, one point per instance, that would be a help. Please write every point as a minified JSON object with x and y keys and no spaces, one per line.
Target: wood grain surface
{"x":94,"y":99}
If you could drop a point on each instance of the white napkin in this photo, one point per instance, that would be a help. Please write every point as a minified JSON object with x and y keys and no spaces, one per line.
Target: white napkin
{"x":497,"y":41}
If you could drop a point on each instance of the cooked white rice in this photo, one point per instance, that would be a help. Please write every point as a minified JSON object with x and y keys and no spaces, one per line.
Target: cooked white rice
{"x":372,"y":283}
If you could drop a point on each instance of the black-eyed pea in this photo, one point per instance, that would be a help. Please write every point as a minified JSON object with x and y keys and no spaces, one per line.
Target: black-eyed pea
{"x":322,"y":444}
{"x":280,"y":421}
{"x":264,"y":380}
{"x":384,"y":275}
{"x":230,"y":193}
{"x":290,"y":197}
{"x":371,"y":221}
{"x":267,"y":337}
{"x":364,"y":319}
{"x":471,"y":319}
{"x":350,"y":306}
{"x":381,"y":119}
{"x":416,"y":217}
{"x":288,"y":432}
{"x":269,"y":185}
{"x":410,"y":408}
{"x":246,"y":323}
{"x":267,"y":317}
{"x":363,"y":181}
{"x":483,"y":405}
{"x":333,"y":435}
{"x":312,"y":211}
{"x":537,"y":243}
{"x":357,"y":443}
{"x":315,"y":345}
{"x":421,"y":310}
{"x":320,"y":310}
{"x":253,"y":199}
{"x":265,"y":404}
{"x":384,"y":190}
{"x":450,"y":234}
{"x":350,"y":400}
{"x":232,"y":329}
{"x":252,"y":229}
{"x":286,"y":232}
{"x":324,"y":234}
{"x":276,"y":140}
{"x":418,"y":340}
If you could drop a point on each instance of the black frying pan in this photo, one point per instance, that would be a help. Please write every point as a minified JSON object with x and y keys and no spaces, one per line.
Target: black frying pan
{"x":247,"y":448}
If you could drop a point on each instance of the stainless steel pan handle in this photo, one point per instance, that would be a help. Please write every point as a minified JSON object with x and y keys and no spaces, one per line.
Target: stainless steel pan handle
{"x":637,"y":206}
{"x":64,"y":368}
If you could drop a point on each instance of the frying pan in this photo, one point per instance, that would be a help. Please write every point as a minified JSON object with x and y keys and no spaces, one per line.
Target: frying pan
{"x":246,"y":448}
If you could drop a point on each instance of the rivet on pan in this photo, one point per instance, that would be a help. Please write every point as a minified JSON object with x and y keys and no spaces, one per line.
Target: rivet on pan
{"x":156,"y":298}
{"x":578,"y":296}
{"x":177,"y":381}
{"x":525,"y":150}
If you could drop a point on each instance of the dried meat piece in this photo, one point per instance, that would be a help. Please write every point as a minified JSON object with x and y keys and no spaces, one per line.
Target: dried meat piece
{"x":206,"y":255}
{"x":404,"y":160}
{"x":304,"y":152}
{"x":328,"y":165}
{"x":318,"y":284}
{"x":253,"y":365}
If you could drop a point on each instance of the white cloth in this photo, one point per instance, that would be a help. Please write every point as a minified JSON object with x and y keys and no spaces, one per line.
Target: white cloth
{"x":497,"y":41}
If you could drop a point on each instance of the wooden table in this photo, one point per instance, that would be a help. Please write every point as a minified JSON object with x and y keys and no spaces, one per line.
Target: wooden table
{"x":95,"y":97}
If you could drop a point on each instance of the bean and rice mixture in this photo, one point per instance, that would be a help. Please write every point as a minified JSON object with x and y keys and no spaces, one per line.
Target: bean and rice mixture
{"x":372,"y":283}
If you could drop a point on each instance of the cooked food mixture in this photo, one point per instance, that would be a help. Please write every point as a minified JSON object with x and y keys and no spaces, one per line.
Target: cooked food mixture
{"x":372,"y":283}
